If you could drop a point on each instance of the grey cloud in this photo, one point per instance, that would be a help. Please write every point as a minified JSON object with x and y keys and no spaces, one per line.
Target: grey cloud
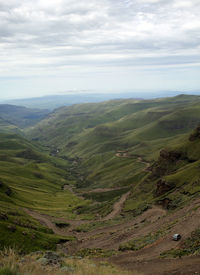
{"x":104,"y":28}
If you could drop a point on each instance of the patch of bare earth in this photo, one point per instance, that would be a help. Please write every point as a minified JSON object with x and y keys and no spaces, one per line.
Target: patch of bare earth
{"x":146,"y":260}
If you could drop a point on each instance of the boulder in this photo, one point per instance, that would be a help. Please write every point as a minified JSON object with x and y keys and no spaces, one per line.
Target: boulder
{"x":53,"y":258}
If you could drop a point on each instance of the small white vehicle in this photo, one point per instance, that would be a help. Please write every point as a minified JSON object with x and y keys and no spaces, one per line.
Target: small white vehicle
{"x":176,"y":237}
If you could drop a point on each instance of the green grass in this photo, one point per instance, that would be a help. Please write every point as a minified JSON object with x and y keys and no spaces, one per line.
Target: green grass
{"x":30,"y":178}
{"x":95,"y":132}
{"x":137,"y":244}
{"x":20,"y":231}
{"x":78,"y":146}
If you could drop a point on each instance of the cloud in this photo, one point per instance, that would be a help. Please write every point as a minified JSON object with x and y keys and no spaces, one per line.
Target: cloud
{"x":37,"y":36}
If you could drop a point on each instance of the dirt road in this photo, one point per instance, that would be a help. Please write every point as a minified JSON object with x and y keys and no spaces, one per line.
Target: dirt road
{"x":117,"y":207}
{"x":139,"y":159}
{"x":147,"y":260}
{"x":183,"y":266}
{"x":47,"y":220}
{"x":44,"y":220}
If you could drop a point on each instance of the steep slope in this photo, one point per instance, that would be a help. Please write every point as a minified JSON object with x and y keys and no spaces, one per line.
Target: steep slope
{"x":30,"y":178}
{"x":108,"y":138}
{"x":21,"y":116}
{"x":119,"y":175}
{"x":165,"y":202}
{"x":174,"y":177}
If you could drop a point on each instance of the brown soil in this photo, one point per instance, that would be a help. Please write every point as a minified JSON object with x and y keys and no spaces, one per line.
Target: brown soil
{"x":183,"y":266}
{"x":49,"y":221}
{"x":146,"y":260}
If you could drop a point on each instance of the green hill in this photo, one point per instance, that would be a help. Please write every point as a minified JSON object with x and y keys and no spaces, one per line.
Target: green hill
{"x":20,"y":116}
{"x":95,"y":133}
{"x":30,"y":178}
{"x":142,"y":150}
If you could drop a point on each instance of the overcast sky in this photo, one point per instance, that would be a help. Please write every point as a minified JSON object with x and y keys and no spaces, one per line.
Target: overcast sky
{"x":51,"y":46}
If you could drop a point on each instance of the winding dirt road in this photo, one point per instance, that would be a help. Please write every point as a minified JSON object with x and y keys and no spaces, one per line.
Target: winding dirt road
{"x":44,"y":220}
{"x":47,"y":220}
{"x":117,"y":207}
{"x":146,"y":260}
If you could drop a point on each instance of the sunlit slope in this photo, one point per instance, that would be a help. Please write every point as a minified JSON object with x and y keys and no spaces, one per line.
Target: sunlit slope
{"x":97,"y":132}
{"x":63,"y":124}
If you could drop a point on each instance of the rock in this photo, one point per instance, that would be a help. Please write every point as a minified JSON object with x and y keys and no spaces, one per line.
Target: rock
{"x":165,"y":203}
{"x":170,"y":155}
{"x":163,"y":187}
{"x":52,"y":257}
{"x":43,"y":261}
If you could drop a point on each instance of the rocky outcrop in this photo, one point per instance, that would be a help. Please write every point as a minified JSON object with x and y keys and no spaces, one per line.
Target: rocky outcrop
{"x":195,"y":135}
{"x":163,"y":187}
{"x":165,"y":203}
{"x":165,"y":164}
{"x":171,"y":156}
{"x":5,"y":189}
{"x":50,"y":258}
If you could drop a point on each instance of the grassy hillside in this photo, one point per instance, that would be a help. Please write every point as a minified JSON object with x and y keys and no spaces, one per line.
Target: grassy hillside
{"x":114,"y":139}
{"x":30,"y":178}
{"x":20,"y":116}
{"x":173,"y":179}
{"x":116,"y":146}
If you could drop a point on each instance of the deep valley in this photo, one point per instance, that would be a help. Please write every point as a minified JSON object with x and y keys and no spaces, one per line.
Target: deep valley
{"x":110,"y":181}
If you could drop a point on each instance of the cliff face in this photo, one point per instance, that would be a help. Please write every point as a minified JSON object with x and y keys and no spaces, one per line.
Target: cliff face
{"x":166,"y":163}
